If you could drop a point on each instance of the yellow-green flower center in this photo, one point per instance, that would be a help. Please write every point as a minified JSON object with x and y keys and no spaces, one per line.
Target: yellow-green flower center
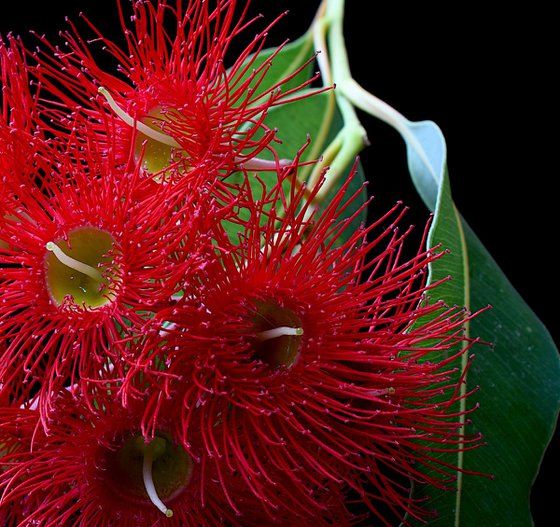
{"x":81,"y":267}
{"x":154,"y":472}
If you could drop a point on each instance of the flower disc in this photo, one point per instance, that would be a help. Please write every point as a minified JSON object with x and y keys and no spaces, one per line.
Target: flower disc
{"x":282,"y":351}
{"x":171,"y":469}
{"x":92,"y":247}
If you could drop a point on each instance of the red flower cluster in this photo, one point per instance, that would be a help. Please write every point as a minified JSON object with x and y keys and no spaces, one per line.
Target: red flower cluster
{"x":178,"y":349}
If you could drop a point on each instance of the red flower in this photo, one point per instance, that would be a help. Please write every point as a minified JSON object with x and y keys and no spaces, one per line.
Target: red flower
{"x":90,"y":257}
{"x":320,"y":349}
{"x":177,"y":99}
{"x":95,"y":468}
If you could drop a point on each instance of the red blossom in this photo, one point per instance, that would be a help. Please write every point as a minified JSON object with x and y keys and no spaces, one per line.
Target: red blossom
{"x":90,"y":469}
{"x":137,"y":244}
{"x":172,"y":78}
{"x":322,"y":350}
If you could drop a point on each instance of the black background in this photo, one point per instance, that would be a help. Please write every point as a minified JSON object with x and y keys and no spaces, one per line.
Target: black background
{"x":485,"y":77}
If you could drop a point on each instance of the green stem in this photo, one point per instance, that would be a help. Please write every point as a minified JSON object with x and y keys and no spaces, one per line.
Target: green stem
{"x":328,"y":36}
{"x":359,"y":97}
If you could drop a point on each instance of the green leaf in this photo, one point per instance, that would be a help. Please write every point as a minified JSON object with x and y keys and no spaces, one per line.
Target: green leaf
{"x":519,"y":378}
{"x":310,"y":117}
{"x":299,"y":121}
{"x":447,"y":233}
{"x":519,"y":396}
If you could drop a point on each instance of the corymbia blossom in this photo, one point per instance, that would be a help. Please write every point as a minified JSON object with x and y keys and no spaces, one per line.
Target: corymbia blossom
{"x":87,"y":256}
{"x":170,"y":92}
{"x":326,"y":353}
{"x":94,"y":467}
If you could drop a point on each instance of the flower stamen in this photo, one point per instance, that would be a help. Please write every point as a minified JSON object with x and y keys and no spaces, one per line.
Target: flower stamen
{"x":143,"y":128}
{"x":256,"y":163}
{"x":149,"y":482}
{"x":81,"y":267}
{"x":282,"y":331}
